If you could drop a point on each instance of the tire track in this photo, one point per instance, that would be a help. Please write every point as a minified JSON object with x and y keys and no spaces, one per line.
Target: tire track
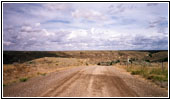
{"x":123,"y":89}
{"x":49,"y":92}
{"x":91,"y":81}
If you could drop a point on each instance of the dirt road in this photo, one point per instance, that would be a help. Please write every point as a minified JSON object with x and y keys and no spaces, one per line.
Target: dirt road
{"x":91,"y":81}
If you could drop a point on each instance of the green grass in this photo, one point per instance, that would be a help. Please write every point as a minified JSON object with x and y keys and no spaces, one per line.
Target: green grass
{"x":136,"y":72}
{"x":30,"y":62}
{"x":154,"y":73}
{"x":23,"y":79}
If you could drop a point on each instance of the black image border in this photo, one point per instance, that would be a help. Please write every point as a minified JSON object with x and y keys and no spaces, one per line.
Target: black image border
{"x":88,"y":97}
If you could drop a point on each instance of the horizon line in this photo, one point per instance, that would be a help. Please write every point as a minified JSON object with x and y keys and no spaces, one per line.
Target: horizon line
{"x":83,"y":50}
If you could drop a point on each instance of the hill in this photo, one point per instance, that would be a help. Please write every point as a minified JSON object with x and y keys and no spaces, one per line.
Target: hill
{"x":94,"y":57}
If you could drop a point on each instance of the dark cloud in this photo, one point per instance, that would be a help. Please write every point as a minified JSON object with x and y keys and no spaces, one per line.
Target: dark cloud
{"x":151,"y":43}
{"x":161,"y":24}
{"x":28,"y":36}
{"x":152,"y":4}
{"x":114,"y":9}
{"x":120,"y":8}
{"x":74,"y":27}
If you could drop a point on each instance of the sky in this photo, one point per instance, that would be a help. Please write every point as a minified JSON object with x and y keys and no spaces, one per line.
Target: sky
{"x":85,"y":26}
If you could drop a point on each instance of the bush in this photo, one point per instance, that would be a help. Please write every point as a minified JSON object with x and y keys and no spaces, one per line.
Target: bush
{"x":165,"y":60}
{"x":150,"y":55}
{"x":136,"y":72}
{"x":4,"y":85}
{"x":43,"y":74}
{"x":23,"y":79}
{"x":114,"y":62}
{"x":154,"y":74}
{"x":39,"y":73}
{"x":108,"y":63}
{"x":30,"y":62}
{"x":87,"y":64}
{"x":147,"y":60}
{"x":157,"y":77}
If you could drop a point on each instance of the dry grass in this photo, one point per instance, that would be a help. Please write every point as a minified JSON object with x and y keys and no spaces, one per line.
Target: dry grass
{"x":42,"y":66}
{"x":30,"y":64}
{"x":153,"y":72}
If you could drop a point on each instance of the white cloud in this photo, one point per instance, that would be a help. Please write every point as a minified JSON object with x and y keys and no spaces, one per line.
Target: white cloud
{"x":77,"y":34}
{"x":47,"y":33}
{"x":56,"y":6}
{"x":88,"y":14}
{"x":37,"y":24}
{"x":26,"y":28}
{"x":7,"y":43}
{"x":57,"y":26}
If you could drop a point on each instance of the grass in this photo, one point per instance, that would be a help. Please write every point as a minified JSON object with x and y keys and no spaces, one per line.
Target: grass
{"x":4,"y":85}
{"x":151,"y":73}
{"x":43,"y":74}
{"x":23,"y":79}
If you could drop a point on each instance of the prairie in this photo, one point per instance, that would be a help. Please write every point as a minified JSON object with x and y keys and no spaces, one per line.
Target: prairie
{"x":22,"y":65}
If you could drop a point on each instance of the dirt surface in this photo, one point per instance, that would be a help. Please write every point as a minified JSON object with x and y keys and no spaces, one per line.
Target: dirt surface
{"x":89,"y":81}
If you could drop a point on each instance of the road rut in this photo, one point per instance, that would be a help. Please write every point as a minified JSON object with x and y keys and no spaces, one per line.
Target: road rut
{"x":90,"y":81}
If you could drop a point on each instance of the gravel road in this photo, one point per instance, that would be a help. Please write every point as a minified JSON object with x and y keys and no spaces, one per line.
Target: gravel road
{"x":88,"y":81}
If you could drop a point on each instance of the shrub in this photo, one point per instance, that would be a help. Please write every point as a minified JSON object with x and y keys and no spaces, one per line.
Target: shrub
{"x":81,"y":53}
{"x":114,"y":62}
{"x":43,"y":74}
{"x":23,"y":79}
{"x":30,"y":62}
{"x":150,"y":55}
{"x":147,"y":60}
{"x":154,"y":74}
{"x":98,"y":63}
{"x":157,"y":77}
{"x":39,"y":73}
{"x":4,"y":85}
{"x":136,"y":72}
{"x":165,"y":60}
{"x":86,"y":64}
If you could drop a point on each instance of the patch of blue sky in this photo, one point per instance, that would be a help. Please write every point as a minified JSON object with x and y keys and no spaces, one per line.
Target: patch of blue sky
{"x":114,"y":17}
{"x":58,"y":21}
{"x":163,"y":24}
{"x":129,"y":22}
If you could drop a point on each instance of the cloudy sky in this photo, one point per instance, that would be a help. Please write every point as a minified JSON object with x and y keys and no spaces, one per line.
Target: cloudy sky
{"x":85,"y":26}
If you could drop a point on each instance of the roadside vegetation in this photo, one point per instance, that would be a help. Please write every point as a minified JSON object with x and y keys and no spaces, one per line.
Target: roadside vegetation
{"x":20,"y":64}
{"x":109,"y":63}
{"x":156,"y":72}
{"x":24,"y":79}
{"x":4,"y":85}
{"x":43,"y":74}
{"x":21,"y":72}
{"x":153,"y":73}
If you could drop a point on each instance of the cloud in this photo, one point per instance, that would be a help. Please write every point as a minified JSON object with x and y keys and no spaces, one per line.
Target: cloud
{"x":37,"y":24}
{"x":47,"y":33}
{"x":77,"y":33}
{"x":120,"y":8}
{"x":26,"y":28}
{"x":152,"y":4}
{"x":56,"y":6}
{"x":88,"y":26}
{"x":7,"y":43}
{"x":151,"y":43}
{"x":87,"y":14}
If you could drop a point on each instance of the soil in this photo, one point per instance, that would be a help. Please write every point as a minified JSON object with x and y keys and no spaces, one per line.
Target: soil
{"x":85,"y":81}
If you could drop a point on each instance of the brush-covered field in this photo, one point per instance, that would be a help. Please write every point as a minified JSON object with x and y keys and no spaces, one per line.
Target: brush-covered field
{"x":19,"y":66}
